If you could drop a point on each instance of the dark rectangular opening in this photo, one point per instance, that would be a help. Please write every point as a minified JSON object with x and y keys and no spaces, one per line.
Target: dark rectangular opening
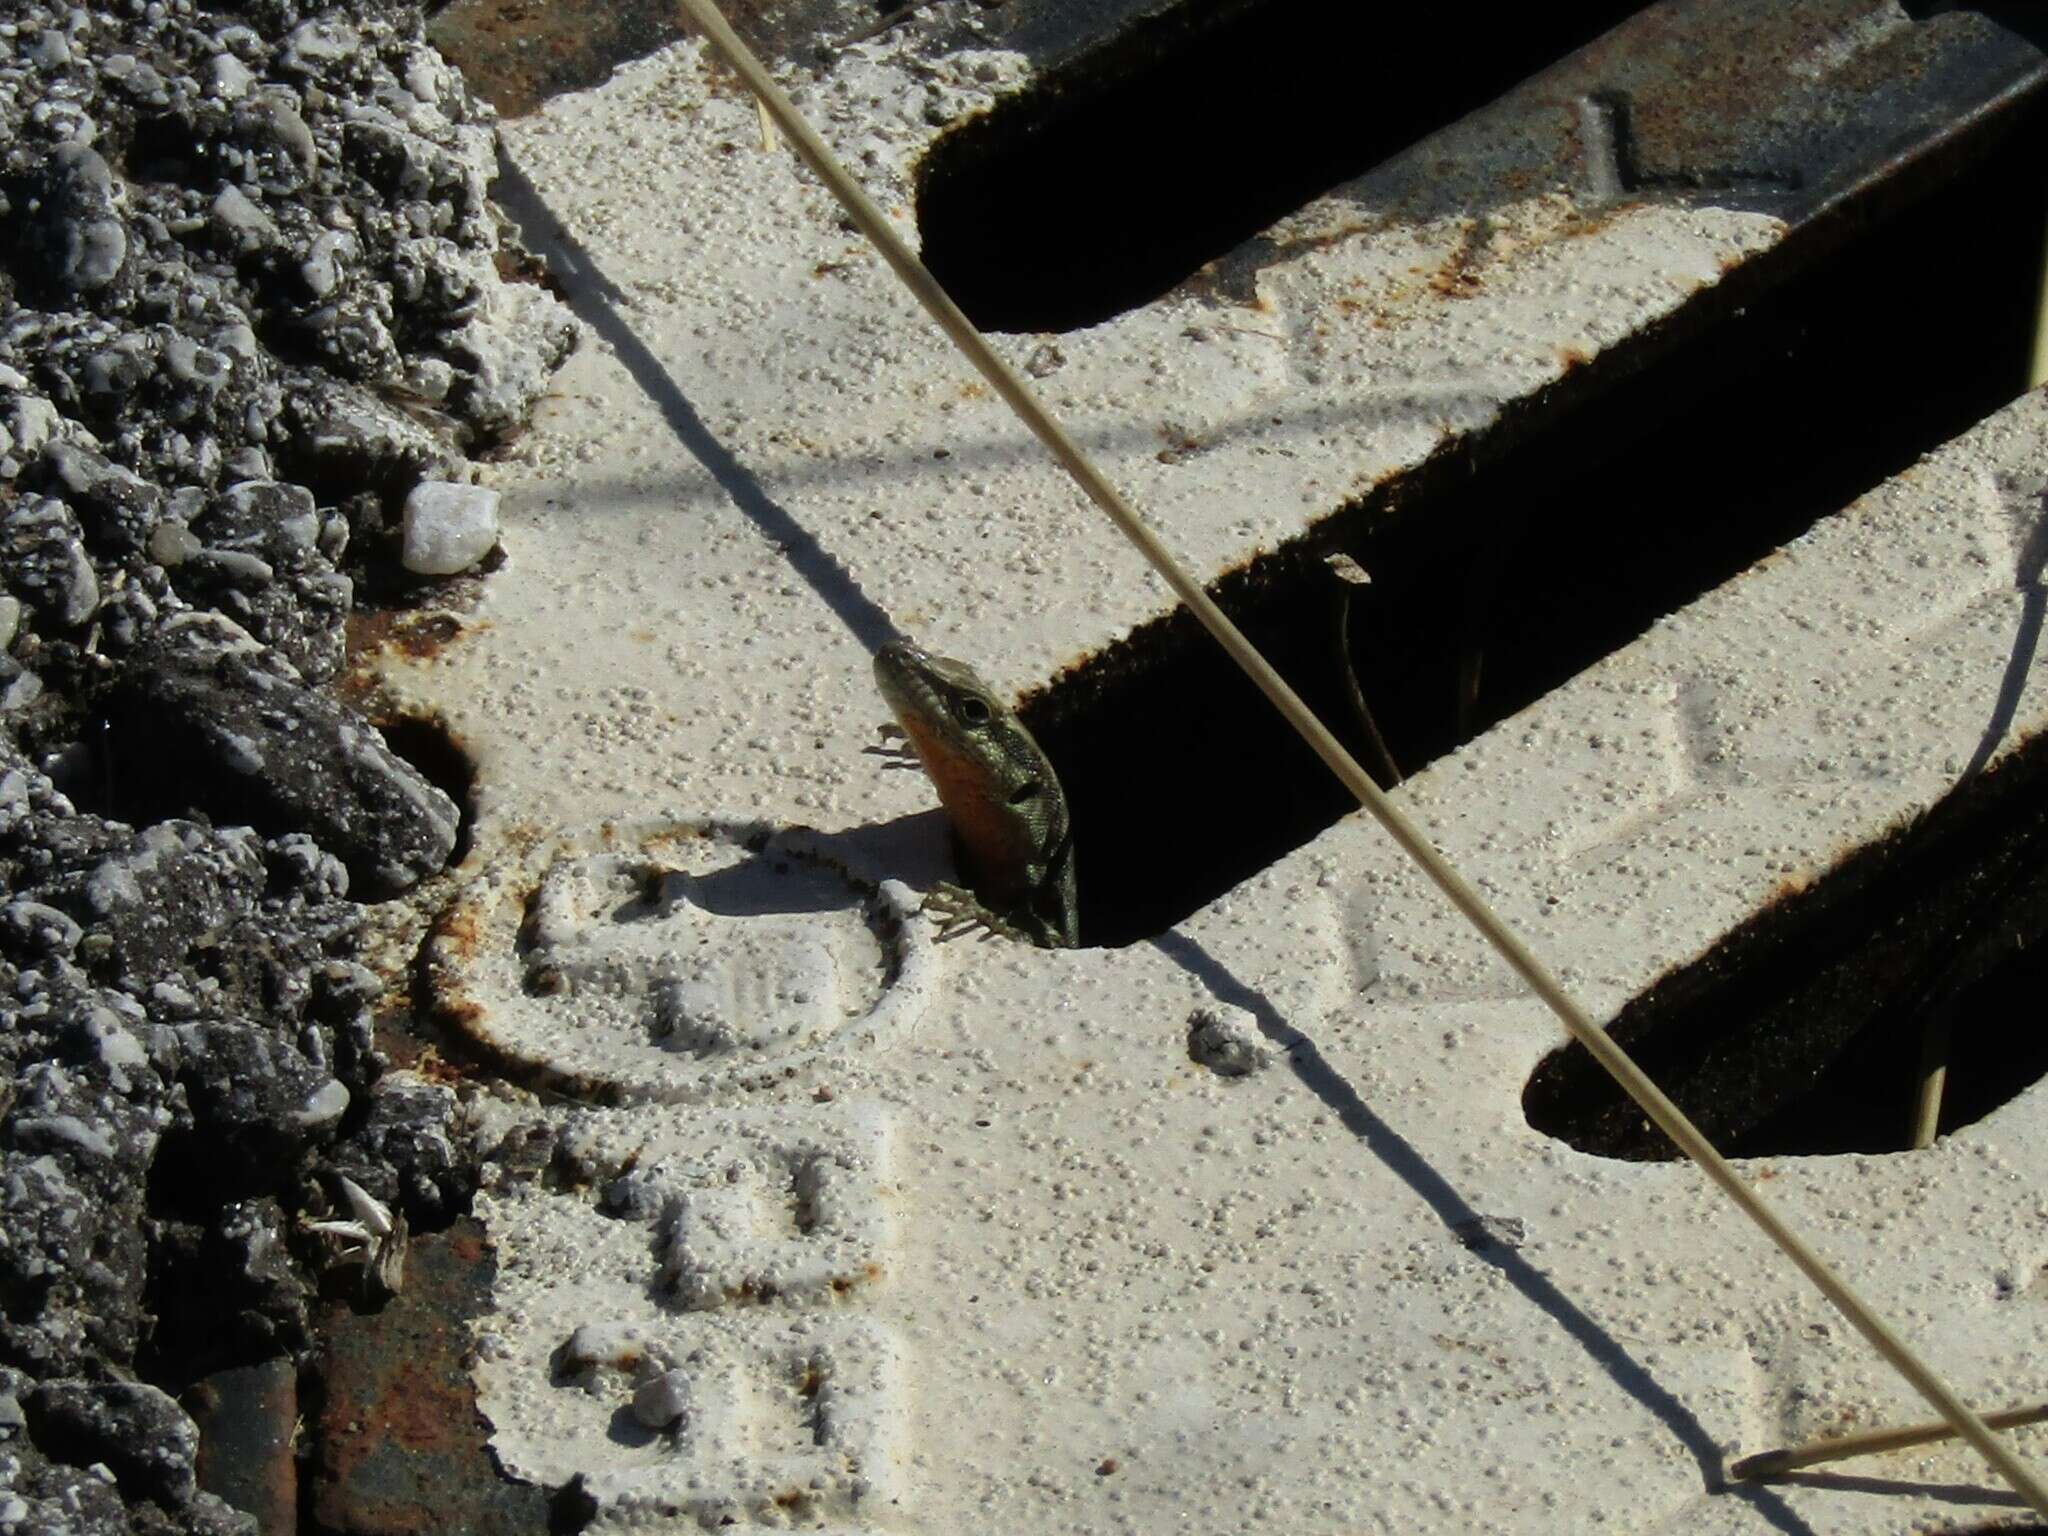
{"x":1117,"y":178}
{"x":1556,"y":539}
{"x":1803,"y":1032}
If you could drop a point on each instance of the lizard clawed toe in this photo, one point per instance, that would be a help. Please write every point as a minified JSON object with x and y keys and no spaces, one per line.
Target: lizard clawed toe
{"x":894,"y":748}
{"x":958,"y":912}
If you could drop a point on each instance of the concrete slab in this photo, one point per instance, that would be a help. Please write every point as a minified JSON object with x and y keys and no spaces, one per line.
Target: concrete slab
{"x":1090,"y":1283}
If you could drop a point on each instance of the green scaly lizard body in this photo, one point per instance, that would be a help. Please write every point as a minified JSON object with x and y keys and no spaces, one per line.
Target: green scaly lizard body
{"x":999,"y":790}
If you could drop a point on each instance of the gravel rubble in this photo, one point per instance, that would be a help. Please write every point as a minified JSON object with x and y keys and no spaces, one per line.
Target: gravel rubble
{"x":250,"y":297}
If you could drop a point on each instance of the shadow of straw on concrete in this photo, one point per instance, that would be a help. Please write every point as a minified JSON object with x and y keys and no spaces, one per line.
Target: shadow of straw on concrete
{"x":1948,"y":1493}
{"x":1315,"y":1073}
{"x":1444,"y":408}
{"x":2019,"y":665}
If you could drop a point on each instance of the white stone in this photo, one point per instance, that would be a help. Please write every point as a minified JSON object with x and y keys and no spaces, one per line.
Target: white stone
{"x":448,"y":528}
{"x":228,"y":78}
{"x":236,"y":216}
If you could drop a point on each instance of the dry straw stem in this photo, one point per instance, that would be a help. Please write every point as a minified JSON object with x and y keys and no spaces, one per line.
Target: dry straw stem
{"x":1352,"y":575}
{"x":1933,"y":1080}
{"x":1461,"y":895}
{"x":2037,"y":372}
{"x":1870,"y":1442}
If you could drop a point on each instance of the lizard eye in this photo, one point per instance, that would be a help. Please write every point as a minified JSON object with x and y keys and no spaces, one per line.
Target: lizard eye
{"x":973,"y":711}
{"x":1029,"y":790}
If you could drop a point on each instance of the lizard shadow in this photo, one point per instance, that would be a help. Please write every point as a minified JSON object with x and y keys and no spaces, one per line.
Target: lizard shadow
{"x":1470,"y":1228}
{"x":597,"y":302}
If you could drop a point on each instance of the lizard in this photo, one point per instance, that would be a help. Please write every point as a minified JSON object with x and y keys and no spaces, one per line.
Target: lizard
{"x":1008,"y":812}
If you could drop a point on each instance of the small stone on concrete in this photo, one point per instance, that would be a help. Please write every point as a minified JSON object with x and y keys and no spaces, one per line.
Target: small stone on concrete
{"x":1227,"y":1041}
{"x":661,"y":1401}
{"x":448,"y":528}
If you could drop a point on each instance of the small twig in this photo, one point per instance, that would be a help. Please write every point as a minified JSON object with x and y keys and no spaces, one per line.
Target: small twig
{"x":1350,"y":574}
{"x":1468,"y":689}
{"x":1477,"y":600}
{"x":1456,"y":889}
{"x":1934,"y":1042}
{"x":1936,"y":1000}
{"x":2037,"y":371}
{"x":1871,"y":1441}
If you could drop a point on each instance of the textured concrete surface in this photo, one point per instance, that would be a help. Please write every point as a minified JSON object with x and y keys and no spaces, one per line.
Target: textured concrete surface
{"x":1016,"y":1259}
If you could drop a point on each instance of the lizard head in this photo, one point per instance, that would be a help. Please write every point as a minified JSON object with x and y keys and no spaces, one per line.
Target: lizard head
{"x":996,"y":783}
{"x":955,"y":721}
{"x":992,"y":775}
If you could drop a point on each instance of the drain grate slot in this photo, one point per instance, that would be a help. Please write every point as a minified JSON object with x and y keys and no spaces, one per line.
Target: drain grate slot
{"x":1801,"y":1033}
{"x":1526,"y":561}
{"x":1120,"y":176}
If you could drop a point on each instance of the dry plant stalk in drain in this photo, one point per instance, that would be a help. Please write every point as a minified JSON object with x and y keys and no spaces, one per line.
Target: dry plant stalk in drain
{"x":1455,"y":889}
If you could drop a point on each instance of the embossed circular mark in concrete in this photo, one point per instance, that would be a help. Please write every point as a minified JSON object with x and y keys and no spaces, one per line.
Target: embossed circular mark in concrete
{"x":672,"y":960}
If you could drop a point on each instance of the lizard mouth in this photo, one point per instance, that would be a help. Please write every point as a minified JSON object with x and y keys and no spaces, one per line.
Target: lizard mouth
{"x":913,"y":681}
{"x":904,"y":674}
{"x":896,"y":664}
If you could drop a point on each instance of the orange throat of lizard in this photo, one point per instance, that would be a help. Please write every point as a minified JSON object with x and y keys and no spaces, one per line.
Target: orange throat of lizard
{"x":991,"y":838}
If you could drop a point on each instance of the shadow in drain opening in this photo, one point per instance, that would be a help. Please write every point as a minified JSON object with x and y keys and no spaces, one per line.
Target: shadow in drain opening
{"x":1505,"y":566}
{"x":1801,"y":1033}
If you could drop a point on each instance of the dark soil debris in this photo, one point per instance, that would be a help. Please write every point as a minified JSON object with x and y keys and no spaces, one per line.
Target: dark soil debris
{"x":250,"y":295}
